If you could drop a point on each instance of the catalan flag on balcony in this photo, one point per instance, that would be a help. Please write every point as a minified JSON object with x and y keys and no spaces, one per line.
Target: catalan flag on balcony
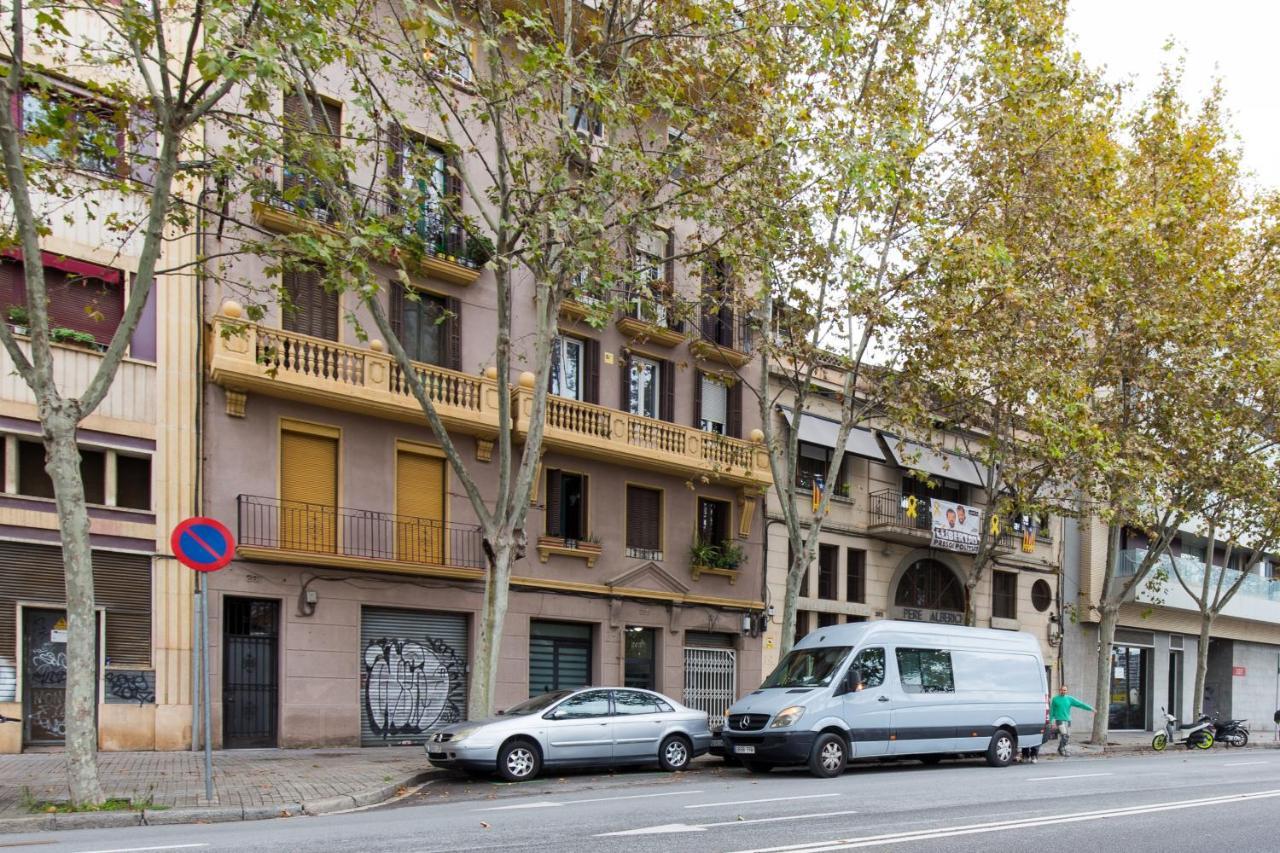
{"x":817,"y":493}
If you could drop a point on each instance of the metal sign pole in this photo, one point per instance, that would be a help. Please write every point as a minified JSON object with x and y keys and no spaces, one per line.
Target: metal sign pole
{"x":195,"y":669}
{"x":204,"y":673}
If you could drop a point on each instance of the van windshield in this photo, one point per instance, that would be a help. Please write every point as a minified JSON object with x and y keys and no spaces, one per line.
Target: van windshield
{"x":808,"y":667}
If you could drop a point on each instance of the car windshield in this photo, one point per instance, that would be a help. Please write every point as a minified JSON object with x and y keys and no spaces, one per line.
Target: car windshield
{"x":808,"y":667}
{"x":537,"y":703}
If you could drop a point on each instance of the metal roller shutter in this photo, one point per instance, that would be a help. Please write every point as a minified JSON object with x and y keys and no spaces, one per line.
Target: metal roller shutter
{"x":559,"y":656}
{"x":308,"y":491}
{"x":413,"y":674}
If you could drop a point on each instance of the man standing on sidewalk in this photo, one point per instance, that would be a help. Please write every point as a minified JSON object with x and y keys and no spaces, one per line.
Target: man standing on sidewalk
{"x":1060,"y":716}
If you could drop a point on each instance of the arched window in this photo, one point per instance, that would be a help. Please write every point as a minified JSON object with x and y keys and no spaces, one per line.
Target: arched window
{"x":930,"y":585}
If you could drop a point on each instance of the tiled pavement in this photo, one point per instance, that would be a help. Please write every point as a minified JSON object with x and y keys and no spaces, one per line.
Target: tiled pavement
{"x":249,"y":777}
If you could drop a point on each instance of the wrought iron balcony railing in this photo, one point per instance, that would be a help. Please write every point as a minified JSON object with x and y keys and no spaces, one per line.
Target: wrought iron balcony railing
{"x":275,"y":524}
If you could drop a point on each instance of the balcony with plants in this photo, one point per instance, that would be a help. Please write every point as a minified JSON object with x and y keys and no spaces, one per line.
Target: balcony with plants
{"x":588,"y":548}
{"x":652,"y":315}
{"x":724,"y":336}
{"x":716,"y":558}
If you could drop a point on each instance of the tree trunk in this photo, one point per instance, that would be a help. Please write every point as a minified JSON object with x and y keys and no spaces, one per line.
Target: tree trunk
{"x":790,"y":601}
{"x":1102,"y":688}
{"x":1202,"y":666}
{"x":497,"y":586}
{"x":62,"y":461}
{"x":970,"y":606}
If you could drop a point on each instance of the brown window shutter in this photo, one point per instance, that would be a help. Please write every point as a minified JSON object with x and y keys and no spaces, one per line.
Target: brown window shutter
{"x":697,"y":399}
{"x":315,"y":309}
{"x":395,"y":309}
{"x":453,"y":182}
{"x":84,"y":304}
{"x":624,"y":402}
{"x":734,"y":426}
{"x":644,"y":518}
{"x":453,"y":333}
{"x":669,"y":263}
{"x":330,"y":121}
{"x":584,"y":517}
{"x":395,"y":153}
{"x":553,"y":502}
{"x":591,"y":370}
{"x":13,"y":282}
{"x":667,"y":408}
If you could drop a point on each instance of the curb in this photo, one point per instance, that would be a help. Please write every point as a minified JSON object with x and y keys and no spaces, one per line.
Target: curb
{"x":209,"y":814}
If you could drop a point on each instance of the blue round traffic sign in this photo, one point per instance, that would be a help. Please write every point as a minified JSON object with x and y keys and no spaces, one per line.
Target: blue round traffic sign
{"x":203,"y":544}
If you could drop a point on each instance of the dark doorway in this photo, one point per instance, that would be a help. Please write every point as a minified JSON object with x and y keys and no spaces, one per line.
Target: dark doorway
{"x":641,"y":662}
{"x":44,"y":676}
{"x":250,"y":673}
{"x":1128,"y":708}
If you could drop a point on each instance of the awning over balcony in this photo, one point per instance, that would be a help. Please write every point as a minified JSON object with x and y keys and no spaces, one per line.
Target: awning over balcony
{"x":935,"y":463}
{"x":823,"y":432}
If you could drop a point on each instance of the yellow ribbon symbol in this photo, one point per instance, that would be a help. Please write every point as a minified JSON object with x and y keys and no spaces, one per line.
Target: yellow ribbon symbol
{"x":995,"y":526}
{"x":911,"y":507}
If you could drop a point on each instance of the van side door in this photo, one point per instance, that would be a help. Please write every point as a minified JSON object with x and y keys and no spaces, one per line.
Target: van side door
{"x":925,"y":717}
{"x":868,"y":706}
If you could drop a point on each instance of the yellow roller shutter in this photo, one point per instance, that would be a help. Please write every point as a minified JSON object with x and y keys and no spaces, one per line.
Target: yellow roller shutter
{"x":308,"y":491}
{"x":419,"y":508}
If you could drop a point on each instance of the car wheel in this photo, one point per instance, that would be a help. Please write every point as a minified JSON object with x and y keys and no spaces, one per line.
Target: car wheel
{"x":756,"y":767}
{"x":829,"y":756}
{"x":1000,"y":752}
{"x":519,"y":761}
{"x":674,"y":753}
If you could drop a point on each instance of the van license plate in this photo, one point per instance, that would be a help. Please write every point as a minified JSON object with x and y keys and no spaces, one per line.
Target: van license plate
{"x":746,"y":749}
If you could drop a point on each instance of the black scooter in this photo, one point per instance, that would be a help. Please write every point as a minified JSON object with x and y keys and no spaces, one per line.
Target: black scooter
{"x":1231,"y":732}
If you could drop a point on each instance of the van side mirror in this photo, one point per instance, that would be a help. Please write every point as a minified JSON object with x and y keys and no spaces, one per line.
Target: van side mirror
{"x":852,"y":681}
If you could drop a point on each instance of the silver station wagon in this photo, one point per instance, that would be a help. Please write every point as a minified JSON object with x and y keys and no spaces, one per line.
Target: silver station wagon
{"x":575,"y":728}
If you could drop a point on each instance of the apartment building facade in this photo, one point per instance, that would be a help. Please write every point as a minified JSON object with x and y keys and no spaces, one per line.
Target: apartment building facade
{"x":875,"y":556}
{"x":352,"y":612}
{"x":137,"y":450}
{"x":1153,"y":664}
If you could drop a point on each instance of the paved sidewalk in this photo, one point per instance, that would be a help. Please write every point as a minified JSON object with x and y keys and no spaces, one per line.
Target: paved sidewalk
{"x":249,"y":779}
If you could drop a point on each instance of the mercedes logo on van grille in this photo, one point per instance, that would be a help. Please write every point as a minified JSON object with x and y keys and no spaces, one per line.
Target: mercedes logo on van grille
{"x":748,"y":722}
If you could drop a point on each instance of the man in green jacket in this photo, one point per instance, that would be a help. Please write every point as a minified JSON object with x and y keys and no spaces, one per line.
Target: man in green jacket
{"x":1060,"y":716}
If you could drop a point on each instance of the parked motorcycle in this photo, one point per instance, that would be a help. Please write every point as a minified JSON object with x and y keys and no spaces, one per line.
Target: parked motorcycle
{"x":1231,"y":732}
{"x":1199,"y":736}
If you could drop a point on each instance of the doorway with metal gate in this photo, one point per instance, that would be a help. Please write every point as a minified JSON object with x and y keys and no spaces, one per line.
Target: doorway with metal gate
{"x":250,"y":673}
{"x":44,"y":676}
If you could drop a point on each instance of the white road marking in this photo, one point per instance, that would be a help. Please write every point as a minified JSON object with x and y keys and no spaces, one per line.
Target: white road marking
{"x":1002,"y":826}
{"x":140,"y":849}
{"x":1242,"y":763}
{"x":764,"y":800}
{"x":703,"y":827}
{"x":1068,"y":776}
{"x":554,"y":804}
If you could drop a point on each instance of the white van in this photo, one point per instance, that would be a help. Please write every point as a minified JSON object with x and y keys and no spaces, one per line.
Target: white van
{"x":890,"y":688}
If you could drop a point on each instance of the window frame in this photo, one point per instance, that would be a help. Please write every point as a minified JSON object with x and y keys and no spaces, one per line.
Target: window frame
{"x":829,"y":572}
{"x":1004,"y":602}
{"x":636,"y":396}
{"x":922,"y":688}
{"x":704,"y":424}
{"x":561,"y":346}
{"x":639,"y":552}
{"x":855,"y":583}
{"x":722,"y":506}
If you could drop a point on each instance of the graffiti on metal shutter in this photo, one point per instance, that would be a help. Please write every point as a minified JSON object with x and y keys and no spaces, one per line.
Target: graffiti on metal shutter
{"x":124,"y":687}
{"x":409,"y":685}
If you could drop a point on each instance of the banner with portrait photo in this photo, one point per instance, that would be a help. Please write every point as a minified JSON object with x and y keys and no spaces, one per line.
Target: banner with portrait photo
{"x":956,"y":527}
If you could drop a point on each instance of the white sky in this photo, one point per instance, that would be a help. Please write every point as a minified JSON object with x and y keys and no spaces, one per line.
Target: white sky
{"x":1231,"y":39}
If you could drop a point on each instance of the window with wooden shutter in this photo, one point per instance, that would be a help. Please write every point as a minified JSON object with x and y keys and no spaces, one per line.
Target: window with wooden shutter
{"x":553,"y":510}
{"x":308,"y":491}
{"x":625,"y":385}
{"x":591,"y":370}
{"x":306,"y":117}
{"x":453,"y":333}
{"x":82,"y":297}
{"x":312,"y":309}
{"x":855,"y":572}
{"x":427,"y":330}
{"x":734,"y":426}
{"x":644,"y":523}
{"x":420,"y":507}
{"x":828,"y":557}
{"x":667,"y":411}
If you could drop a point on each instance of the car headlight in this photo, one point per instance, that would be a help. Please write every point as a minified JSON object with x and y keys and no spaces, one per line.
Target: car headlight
{"x":787,"y":716}
{"x":463,"y":734}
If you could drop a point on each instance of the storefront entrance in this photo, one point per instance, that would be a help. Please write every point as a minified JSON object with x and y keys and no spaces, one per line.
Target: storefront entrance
{"x":44,"y":676}
{"x":250,"y":673}
{"x":1130,"y":666}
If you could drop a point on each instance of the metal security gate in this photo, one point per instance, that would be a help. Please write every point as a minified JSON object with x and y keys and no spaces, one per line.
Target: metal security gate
{"x":710,"y":676}
{"x":559,"y":656}
{"x":250,"y":673}
{"x":413,"y":674}
{"x":44,"y":676}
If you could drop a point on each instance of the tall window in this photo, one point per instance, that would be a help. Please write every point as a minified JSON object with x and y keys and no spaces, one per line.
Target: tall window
{"x":306,"y":116}
{"x":640,"y":669}
{"x":646,"y":387}
{"x":644,"y":523}
{"x":312,"y":309}
{"x":828,"y":557}
{"x":566,"y":505}
{"x":713,"y":521}
{"x":943,"y":489}
{"x":812,"y":463}
{"x":930,"y":585}
{"x":826,"y":620}
{"x":566,"y":367}
{"x":651,"y":296}
{"x":429,"y":326}
{"x":95,"y":142}
{"x":1004,"y":595}
{"x":450,"y":52}
{"x":855,"y":587}
{"x":717,"y":310}
{"x":713,"y":402}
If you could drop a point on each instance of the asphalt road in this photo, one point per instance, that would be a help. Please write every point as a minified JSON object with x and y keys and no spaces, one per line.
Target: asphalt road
{"x":1217,"y":800}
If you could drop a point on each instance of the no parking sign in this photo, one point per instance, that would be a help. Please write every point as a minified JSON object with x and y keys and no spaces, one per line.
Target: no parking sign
{"x":203,"y":544}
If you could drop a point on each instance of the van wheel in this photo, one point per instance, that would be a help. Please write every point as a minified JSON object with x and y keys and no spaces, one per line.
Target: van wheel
{"x":1000,"y":752}
{"x":829,"y":756}
{"x":756,"y":767}
{"x":931,"y":760}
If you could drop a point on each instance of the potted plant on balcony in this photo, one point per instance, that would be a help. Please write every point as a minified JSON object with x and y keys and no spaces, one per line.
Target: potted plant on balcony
{"x":75,"y":338}
{"x":712,"y":559}
{"x":19,"y":319}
